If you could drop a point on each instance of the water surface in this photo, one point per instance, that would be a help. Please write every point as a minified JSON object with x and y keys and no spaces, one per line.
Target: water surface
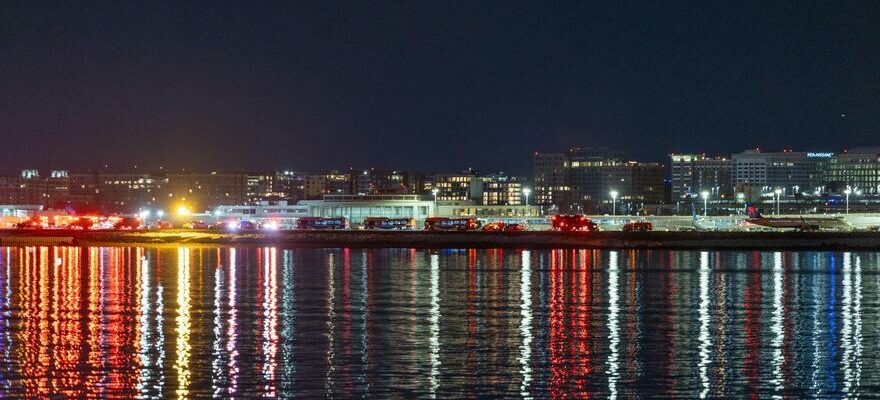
{"x":245,"y":322}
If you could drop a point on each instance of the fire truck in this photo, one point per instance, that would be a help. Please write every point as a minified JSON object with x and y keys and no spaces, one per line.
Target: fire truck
{"x":572,"y":223}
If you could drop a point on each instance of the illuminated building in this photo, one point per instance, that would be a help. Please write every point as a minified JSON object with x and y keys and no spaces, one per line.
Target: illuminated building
{"x":378,"y":181}
{"x":279,"y":212}
{"x":113,"y":191}
{"x":290,"y":185}
{"x":580,"y":180}
{"x":129,"y":192}
{"x":461,"y":186}
{"x":788,"y":170}
{"x":691,"y":174}
{"x":357,"y":207}
{"x":32,"y":188}
{"x":856,"y":168}
{"x":275,"y":185}
{"x":551,"y":183}
{"x":260,"y":186}
{"x":332,"y":182}
{"x":501,"y":190}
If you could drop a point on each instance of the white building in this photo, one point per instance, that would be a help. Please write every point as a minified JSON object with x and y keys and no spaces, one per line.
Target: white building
{"x":358,"y":207}
{"x":279,"y":212}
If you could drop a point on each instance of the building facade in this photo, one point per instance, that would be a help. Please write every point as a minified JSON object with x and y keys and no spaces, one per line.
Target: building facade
{"x":582,"y":180}
{"x":788,"y":171}
{"x":692,"y":174}
{"x":463,"y":186}
{"x":358,"y":207}
{"x":858,"y":169}
{"x":501,"y":190}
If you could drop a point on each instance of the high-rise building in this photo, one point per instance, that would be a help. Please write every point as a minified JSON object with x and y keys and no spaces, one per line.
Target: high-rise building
{"x":581,"y":180}
{"x":332,"y":182}
{"x":380,"y":181}
{"x":788,"y":170}
{"x":857,"y":168}
{"x":501,"y":190}
{"x":461,"y":186}
{"x":261,"y":187}
{"x":692,"y":174}
{"x":129,"y":192}
{"x":551,"y":180}
{"x":290,"y":186}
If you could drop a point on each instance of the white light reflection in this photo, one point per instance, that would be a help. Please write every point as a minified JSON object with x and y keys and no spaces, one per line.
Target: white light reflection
{"x":525,"y":325}
{"x":365,"y":309}
{"x":851,"y":333}
{"x":184,"y":324}
{"x":776,"y":326}
{"x":847,"y":328}
{"x":857,"y":331}
{"x":331,"y":325}
{"x":613,"y":324}
{"x":144,"y":322}
{"x":231,"y":327}
{"x":270,"y":320}
{"x":160,"y":342}
{"x":288,"y":323}
{"x":817,"y":352}
{"x":435,"y":323}
{"x":217,"y":362}
{"x":705,"y":321}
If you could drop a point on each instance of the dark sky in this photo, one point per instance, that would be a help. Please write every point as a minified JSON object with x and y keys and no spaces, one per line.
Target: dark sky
{"x":427,"y":85}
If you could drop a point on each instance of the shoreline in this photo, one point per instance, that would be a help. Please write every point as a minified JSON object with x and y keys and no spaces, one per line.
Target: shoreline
{"x":869,"y":241}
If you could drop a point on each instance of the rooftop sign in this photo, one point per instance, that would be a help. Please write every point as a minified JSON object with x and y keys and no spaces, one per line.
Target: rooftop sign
{"x":820,"y":155}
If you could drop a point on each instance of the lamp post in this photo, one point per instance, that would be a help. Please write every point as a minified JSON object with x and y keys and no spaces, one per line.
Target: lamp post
{"x":847,"y":192}
{"x":527,"y":192}
{"x":434,"y":192}
{"x":705,"y":195}
{"x":778,"y":193}
{"x":613,"y":202}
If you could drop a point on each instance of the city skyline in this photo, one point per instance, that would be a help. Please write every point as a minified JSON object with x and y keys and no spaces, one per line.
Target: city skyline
{"x":524,"y":169}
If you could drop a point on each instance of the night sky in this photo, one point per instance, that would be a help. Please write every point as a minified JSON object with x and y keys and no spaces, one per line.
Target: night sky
{"x":427,"y":85}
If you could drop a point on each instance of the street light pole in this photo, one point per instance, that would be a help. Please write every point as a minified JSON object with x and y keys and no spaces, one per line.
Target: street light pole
{"x":527,"y":192}
{"x":613,"y":202}
{"x":847,"y":192}
{"x":778,"y":193}
{"x":705,"y":195}
{"x":434,"y":192}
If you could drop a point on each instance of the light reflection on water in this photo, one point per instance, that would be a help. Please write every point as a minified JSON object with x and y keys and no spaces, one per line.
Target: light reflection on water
{"x":203,"y":322}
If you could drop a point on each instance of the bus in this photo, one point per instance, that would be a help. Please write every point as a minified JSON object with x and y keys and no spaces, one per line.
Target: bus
{"x":321,"y":223}
{"x":389,"y":223}
{"x":450,"y":224}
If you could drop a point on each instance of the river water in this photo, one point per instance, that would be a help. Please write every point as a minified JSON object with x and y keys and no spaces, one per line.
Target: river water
{"x":245,"y":322}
